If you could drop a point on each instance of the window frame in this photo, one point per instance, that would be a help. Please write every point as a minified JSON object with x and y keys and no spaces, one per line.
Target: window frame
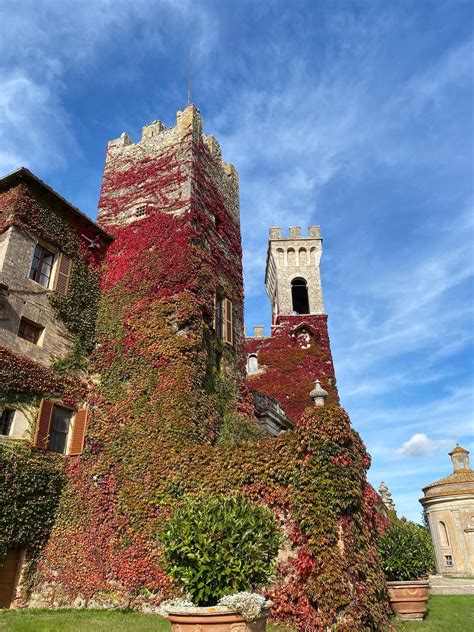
{"x":35,"y":327}
{"x":223,"y":318}
{"x":36,"y":273}
{"x":71,"y":415}
{"x":6,"y":421}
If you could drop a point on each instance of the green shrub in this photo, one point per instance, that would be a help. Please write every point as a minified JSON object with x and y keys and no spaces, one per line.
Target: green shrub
{"x":406,"y":551}
{"x":219,"y":546}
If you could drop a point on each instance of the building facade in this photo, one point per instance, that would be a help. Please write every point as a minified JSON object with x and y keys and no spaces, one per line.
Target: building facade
{"x":141,"y":389}
{"x":449,"y":506}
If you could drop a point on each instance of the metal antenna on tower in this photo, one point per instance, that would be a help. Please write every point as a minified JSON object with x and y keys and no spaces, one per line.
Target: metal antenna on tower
{"x":189,"y":76}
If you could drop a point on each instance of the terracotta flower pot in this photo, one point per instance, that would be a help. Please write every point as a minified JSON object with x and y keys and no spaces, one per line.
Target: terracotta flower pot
{"x":215,"y":620}
{"x":408,"y":599}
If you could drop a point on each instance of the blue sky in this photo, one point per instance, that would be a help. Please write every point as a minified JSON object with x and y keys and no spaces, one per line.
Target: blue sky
{"x":357,"y":116}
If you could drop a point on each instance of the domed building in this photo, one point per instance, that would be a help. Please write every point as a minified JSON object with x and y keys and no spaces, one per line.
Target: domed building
{"x":449,"y":506}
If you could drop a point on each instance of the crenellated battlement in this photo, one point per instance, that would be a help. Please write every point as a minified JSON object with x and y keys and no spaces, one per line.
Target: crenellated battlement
{"x":156,"y":136}
{"x":178,"y":150}
{"x":314,"y":232}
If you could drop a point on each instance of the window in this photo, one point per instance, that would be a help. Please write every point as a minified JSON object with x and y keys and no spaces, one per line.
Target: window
{"x":252,"y":363}
{"x":299,"y":295}
{"x":6,"y":421}
{"x":30,"y":331}
{"x":448,"y":560}
{"x":461,"y":465}
{"x":223,"y":319}
{"x":42,"y":266}
{"x":59,"y":429}
{"x":55,"y":425}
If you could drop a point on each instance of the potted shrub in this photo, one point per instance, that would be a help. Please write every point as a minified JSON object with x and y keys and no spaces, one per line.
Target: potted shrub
{"x":406,"y":553}
{"x":219,"y":550}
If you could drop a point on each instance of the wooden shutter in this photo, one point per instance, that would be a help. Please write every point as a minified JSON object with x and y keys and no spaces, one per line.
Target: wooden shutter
{"x":228,"y":322}
{"x":78,"y":432}
{"x":43,"y":424}
{"x":63,"y":274}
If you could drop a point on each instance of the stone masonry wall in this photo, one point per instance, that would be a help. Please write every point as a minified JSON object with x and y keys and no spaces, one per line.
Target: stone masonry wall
{"x":27,"y":298}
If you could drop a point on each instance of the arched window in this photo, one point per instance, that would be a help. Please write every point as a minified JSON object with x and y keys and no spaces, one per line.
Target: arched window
{"x":299,"y":295}
{"x":443,"y":534}
{"x":252,"y":363}
{"x":303,"y":257}
{"x":290,"y":253}
{"x":281,"y":256}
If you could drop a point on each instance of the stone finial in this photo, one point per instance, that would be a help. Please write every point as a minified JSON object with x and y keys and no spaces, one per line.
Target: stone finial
{"x":258,"y":331}
{"x":318,"y":394}
{"x":386,"y":497}
{"x":275,"y":232}
{"x":295,"y":232}
{"x":460,"y":458}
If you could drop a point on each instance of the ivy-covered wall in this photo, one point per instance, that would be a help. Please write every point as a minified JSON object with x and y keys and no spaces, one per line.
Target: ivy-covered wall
{"x":31,"y":479}
{"x":166,"y":392}
{"x":290,"y":360}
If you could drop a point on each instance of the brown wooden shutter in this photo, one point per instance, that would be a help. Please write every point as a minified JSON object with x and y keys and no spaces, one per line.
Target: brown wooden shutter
{"x":228,"y":322}
{"x":63,"y":274}
{"x":43,"y":424}
{"x":78,"y":432}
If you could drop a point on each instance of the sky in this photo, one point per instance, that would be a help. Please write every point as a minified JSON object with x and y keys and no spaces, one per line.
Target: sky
{"x":355,"y":116}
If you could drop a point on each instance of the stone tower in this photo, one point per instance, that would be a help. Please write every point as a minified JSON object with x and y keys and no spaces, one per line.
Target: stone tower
{"x":294,"y":365}
{"x":292,"y":275}
{"x":172,"y":204}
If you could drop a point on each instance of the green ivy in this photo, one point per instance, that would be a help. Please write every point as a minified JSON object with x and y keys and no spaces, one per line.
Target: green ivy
{"x":30,"y":488}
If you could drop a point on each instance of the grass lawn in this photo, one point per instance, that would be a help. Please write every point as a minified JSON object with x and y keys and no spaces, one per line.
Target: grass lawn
{"x":446,"y":613}
{"x":87,"y":621}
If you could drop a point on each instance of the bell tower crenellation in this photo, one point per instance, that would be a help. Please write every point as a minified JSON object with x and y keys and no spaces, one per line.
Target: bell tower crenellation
{"x":292,"y":275}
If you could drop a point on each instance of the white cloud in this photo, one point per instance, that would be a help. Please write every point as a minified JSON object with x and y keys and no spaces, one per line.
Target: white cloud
{"x":420,"y":445}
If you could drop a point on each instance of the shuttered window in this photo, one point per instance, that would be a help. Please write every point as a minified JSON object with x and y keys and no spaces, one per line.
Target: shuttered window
{"x":54,"y":426}
{"x":223,"y":319}
{"x":78,"y":432}
{"x":63,"y":274}
{"x":228,"y":328}
{"x":43,"y":424}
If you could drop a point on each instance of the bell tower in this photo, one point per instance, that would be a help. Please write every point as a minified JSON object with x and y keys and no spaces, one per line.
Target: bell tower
{"x":292,"y":277}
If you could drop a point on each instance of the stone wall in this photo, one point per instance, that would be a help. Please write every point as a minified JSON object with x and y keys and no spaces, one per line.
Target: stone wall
{"x":27,"y":298}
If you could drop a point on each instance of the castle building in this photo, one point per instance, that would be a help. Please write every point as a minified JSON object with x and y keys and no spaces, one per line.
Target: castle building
{"x":127,"y":383}
{"x":449,"y":506}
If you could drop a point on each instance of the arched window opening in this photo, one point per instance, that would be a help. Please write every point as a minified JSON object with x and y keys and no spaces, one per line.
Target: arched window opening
{"x":303,"y":257}
{"x":443,"y":534}
{"x":291,"y":254}
{"x":299,"y":295}
{"x":281,"y":256}
{"x":252,"y":363}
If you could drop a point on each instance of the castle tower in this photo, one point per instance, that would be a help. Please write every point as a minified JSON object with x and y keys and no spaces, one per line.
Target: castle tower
{"x":172,"y":204}
{"x":293,"y":365}
{"x":292,"y":275}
